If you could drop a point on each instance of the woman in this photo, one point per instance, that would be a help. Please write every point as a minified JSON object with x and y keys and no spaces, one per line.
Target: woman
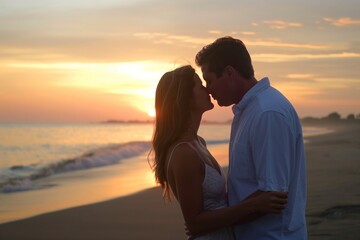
{"x":183,"y":164}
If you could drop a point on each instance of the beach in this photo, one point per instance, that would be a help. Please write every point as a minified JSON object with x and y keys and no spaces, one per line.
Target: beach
{"x":333,"y":206}
{"x":333,"y":172}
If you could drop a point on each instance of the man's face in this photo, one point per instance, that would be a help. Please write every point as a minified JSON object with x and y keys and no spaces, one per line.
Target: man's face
{"x":218,"y":87}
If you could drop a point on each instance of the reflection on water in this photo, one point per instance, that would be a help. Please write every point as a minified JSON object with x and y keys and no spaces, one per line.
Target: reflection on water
{"x":78,"y":188}
{"x":26,"y":146}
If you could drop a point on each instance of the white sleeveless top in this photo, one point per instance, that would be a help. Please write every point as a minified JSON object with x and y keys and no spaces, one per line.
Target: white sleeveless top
{"x":214,"y":191}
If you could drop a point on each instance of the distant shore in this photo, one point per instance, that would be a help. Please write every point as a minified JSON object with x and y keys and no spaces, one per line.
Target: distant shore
{"x":308,"y":121}
{"x":333,"y":206}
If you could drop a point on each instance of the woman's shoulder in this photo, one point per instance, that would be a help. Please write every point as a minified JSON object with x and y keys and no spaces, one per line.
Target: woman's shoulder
{"x":183,"y":154}
{"x":181,"y":149}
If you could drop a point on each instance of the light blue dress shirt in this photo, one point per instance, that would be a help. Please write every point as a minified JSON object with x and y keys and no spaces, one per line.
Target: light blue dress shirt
{"x":267,"y":153}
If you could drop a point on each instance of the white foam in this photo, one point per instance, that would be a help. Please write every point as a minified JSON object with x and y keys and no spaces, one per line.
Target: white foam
{"x":114,"y":154}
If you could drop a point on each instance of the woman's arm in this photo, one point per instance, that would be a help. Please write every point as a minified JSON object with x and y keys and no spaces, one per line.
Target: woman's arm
{"x":186,"y":177}
{"x":245,"y":211}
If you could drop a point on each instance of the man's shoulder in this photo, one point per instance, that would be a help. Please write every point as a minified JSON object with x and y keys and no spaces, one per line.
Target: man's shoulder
{"x":272,"y":100}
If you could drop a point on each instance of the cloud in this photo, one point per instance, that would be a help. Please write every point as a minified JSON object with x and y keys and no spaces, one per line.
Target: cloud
{"x":248,"y":33}
{"x":173,"y":39}
{"x":353,"y":81}
{"x":216,"y":32}
{"x":198,"y":41}
{"x":279,"y":24}
{"x":267,"y":43}
{"x":301,"y":57}
{"x":109,"y":76}
{"x":299,"y":76}
{"x":341,"y":22}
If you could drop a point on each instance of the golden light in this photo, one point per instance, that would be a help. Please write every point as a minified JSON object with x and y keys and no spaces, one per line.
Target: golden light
{"x":151,"y":112}
{"x":133,"y":82}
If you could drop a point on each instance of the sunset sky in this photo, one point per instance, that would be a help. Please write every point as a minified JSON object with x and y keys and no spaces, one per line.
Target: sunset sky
{"x":86,"y":61}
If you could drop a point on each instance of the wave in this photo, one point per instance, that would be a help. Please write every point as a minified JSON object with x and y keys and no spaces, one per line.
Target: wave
{"x":21,"y":178}
{"x":215,"y":142}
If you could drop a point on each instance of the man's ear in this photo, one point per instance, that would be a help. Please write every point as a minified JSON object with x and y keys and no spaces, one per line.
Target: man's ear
{"x":230,"y":71}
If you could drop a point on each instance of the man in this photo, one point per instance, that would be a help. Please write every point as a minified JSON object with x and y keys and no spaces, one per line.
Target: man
{"x":266,"y":145}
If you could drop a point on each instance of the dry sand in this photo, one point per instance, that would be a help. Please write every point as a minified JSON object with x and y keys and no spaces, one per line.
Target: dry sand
{"x":333,"y":168}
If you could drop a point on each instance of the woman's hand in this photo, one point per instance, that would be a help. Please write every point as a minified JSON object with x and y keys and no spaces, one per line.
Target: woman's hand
{"x":269,"y":202}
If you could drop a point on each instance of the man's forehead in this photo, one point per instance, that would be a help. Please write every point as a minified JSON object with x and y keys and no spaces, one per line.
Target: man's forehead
{"x":204,"y":68}
{"x":205,"y":71}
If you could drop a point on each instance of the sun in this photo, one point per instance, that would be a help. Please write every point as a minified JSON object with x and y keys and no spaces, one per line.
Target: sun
{"x":151,"y":112}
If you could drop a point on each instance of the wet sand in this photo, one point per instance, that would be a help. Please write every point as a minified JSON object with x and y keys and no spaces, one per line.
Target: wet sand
{"x":333,"y":212}
{"x":333,"y":170}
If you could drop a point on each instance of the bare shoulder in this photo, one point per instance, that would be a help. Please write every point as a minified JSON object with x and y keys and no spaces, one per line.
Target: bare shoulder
{"x":186,"y":171}
{"x":184,"y":158}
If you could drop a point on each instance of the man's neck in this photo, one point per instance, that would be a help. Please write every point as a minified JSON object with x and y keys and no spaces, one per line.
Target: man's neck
{"x":246,"y":85}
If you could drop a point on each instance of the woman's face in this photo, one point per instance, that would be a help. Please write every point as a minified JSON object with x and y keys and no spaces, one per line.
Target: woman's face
{"x":202,"y":101}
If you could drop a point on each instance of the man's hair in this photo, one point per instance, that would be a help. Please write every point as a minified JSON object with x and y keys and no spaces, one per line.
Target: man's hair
{"x":226,"y":51}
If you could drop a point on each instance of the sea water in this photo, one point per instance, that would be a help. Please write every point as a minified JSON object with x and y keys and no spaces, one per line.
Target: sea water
{"x":79,"y":163}
{"x":29,"y":152}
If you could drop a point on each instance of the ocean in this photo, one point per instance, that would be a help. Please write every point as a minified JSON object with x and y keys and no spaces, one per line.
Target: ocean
{"x":46,"y":167}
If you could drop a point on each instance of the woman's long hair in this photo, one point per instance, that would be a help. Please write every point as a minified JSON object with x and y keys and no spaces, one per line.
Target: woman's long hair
{"x":172,"y":104}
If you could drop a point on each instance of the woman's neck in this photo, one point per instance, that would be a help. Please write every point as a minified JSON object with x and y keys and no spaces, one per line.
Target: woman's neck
{"x":191,"y":132}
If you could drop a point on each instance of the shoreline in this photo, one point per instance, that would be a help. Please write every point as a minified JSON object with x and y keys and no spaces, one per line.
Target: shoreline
{"x":332,"y":192}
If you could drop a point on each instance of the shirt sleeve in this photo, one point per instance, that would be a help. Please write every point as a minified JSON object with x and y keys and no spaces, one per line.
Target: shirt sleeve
{"x":272,"y":150}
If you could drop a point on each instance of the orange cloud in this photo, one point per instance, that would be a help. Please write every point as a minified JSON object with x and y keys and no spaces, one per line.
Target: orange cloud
{"x":279,"y":24}
{"x":248,"y":33}
{"x":217,"y":32}
{"x":198,"y":41}
{"x":300,"y":57}
{"x":267,"y":43}
{"x":171,"y":38}
{"x":299,"y":76}
{"x":341,"y":22}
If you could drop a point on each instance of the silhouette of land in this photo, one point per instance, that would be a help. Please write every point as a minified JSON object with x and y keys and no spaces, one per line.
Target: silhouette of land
{"x":333,"y":119}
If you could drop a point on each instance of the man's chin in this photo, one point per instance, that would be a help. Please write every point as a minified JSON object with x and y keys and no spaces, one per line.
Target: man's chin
{"x":210,"y":107}
{"x":222,"y":104}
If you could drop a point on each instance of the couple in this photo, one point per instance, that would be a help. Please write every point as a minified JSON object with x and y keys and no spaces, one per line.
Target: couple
{"x":265,"y":193}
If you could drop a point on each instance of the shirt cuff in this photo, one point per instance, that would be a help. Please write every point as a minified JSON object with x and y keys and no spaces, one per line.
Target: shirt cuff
{"x":272,"y":187}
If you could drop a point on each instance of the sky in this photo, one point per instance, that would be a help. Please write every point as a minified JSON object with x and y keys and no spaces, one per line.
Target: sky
{"x":89,"y":61}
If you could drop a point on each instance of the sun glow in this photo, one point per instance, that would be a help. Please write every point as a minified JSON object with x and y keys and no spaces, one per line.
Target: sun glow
{"x":151,"y":112}
{"x":131,"y":83}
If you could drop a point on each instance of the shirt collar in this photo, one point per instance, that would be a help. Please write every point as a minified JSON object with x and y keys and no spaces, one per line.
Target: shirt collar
{"x":255,"y":90}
